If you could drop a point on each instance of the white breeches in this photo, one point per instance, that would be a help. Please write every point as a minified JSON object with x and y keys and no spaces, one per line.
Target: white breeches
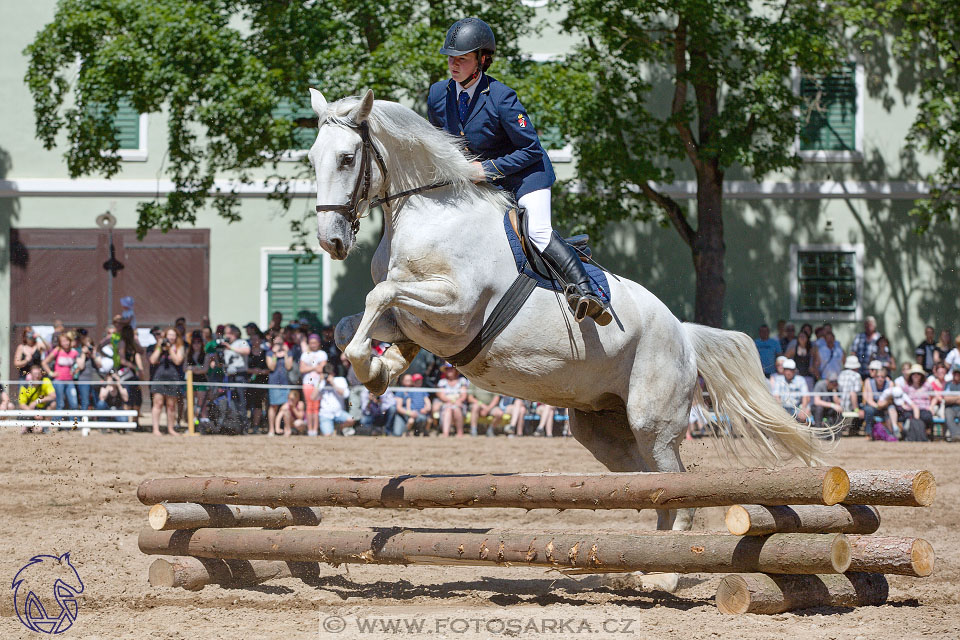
{"x":537,"y":204}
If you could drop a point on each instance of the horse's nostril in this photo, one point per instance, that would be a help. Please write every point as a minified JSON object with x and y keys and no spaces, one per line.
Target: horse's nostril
{"x":337,"y":245}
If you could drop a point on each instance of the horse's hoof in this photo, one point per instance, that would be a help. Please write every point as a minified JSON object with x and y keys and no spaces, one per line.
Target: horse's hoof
{"x":660,"y":582}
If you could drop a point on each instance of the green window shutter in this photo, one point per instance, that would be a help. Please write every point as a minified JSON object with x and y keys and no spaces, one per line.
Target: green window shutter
{"x":831,"y":103}
{"x":827,"y":281}
{"x":294,"y":289}
{"x":127,"y":124}
{"x":303,"y":137}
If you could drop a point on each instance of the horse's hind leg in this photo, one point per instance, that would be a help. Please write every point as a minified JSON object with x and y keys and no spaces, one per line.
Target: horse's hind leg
{"x":658,"y":419}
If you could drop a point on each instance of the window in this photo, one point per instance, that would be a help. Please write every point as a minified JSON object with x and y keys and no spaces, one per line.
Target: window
{"x":826,"y":282}
{"x":131,"y":130}
{"x":833,"y":115}
{"x":303,"y":137}
{"x":292,"y":286}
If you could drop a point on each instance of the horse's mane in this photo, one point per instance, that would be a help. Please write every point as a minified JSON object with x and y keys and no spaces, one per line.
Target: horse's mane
{"x":416,"y":153}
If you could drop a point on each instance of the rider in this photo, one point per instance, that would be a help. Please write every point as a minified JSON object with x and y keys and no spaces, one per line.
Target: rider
{"x":495,"y":128}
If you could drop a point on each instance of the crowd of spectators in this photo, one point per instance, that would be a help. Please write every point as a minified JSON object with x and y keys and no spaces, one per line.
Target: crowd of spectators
{"x":813,"y":377}
{"x":287,"y":379}
{"x":283,"y":379}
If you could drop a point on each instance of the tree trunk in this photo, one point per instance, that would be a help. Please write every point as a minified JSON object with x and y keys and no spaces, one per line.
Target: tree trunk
{"x":709,"y":249}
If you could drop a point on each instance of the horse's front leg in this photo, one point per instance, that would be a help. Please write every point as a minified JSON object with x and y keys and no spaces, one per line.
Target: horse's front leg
{"x":375,"y":372}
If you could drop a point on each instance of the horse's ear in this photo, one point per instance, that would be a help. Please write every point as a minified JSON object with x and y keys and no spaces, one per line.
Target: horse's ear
{"x":318,"y":102}
{"x":362,"y":111}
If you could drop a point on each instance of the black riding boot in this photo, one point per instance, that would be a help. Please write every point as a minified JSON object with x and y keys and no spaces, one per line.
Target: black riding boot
{"x":580,"y":296}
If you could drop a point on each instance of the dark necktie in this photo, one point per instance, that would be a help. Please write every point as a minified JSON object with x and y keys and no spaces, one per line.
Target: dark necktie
{"x":464,"y":104}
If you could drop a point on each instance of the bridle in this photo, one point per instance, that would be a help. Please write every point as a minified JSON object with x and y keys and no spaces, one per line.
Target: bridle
{"x":361,"y":189}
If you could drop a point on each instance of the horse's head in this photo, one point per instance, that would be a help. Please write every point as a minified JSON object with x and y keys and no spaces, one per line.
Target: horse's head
{"x":346,"y":179}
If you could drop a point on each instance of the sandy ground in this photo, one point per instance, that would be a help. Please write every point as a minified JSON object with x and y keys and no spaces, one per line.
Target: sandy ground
{"x":71,"y":493}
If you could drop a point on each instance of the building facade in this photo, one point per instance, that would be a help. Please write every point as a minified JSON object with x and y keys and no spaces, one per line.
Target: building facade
{"x":830,"y":242}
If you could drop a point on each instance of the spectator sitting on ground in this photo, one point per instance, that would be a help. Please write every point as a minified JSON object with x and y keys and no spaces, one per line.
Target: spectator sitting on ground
{"x":826,"y":401}
{"x":830,"y":354}
{"x":452,"y":396}
{"x":483,"y":403}
{"x":865,"y":344}
{"x":31,"y":349}
{"x":378,"y":412}
{"x":291,"y":415}
{"x":36,"y":394}
{"x":897,"y":406}
{"x":768,"y":348}
{"x":332,"y":394}
{"x":873,"y":388}
{"x":927,"y":349}
{"x":413,"y":407}
{"x":951,"y":401}
{"x":792,"y":392}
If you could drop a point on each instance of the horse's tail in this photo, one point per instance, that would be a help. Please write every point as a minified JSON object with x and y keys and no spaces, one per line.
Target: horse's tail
{"x":745,"y":409}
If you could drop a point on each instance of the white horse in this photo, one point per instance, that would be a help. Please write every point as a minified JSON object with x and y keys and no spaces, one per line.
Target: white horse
{"x":444,"y":263}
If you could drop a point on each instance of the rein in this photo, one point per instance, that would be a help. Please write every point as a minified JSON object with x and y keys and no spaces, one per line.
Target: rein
{"x":361,"y":189}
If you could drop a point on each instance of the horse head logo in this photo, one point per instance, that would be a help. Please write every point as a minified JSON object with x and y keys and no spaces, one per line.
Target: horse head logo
{"x":33,"y":586}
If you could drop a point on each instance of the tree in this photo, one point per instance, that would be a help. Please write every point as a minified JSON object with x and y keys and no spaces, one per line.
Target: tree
{"x":220,"y":69}
{"x":687,"y":87}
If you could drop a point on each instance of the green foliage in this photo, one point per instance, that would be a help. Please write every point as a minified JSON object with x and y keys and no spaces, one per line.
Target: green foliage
{"x":926,"y":46}
{"x":221,"y":68}
{"x":733,"y":61}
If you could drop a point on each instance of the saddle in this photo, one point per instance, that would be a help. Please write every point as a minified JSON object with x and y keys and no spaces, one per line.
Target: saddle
{"x":519,"y":222}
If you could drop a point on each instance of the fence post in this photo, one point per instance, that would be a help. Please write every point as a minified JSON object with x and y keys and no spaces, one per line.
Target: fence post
{"x":190,"y":417}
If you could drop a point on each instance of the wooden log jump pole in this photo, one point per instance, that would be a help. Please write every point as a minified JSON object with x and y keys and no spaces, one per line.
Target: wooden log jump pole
{"x":170,"y":516}
{"x":770,"y":594}
{"x":892,"y":488}
{"x":684,"y":553}
{"x":889,"y":554}
{"x":194,"y":574}
{"x":758,"y":520}
{"x":823,"y":485}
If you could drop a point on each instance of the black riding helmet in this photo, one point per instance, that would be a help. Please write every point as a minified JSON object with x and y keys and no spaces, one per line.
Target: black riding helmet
{"x":469,"y":34}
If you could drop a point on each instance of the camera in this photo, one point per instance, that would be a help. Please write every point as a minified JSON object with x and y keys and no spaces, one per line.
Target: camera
{"x":165,"y":345}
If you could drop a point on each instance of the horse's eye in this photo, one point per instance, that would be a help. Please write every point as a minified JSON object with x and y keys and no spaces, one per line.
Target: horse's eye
{"x":346,"y":160}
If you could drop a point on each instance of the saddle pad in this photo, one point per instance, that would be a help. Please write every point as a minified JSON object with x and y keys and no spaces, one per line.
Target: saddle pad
{"x":598,"y":278}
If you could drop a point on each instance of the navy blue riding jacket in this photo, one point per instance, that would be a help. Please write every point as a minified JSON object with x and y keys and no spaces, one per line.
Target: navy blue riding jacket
{"x":498,"y":131}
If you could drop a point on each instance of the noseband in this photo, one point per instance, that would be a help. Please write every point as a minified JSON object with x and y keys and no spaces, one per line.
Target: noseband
{"x":361,"y":189}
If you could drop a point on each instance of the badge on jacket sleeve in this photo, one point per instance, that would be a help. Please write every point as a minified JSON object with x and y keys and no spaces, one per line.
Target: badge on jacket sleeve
{"x":522,"y":120}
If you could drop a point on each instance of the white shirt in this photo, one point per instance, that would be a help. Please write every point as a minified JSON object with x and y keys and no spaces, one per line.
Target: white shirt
{"x":472,"y":89}
{"x":333,"y":398}
{"x":313,"y":359}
